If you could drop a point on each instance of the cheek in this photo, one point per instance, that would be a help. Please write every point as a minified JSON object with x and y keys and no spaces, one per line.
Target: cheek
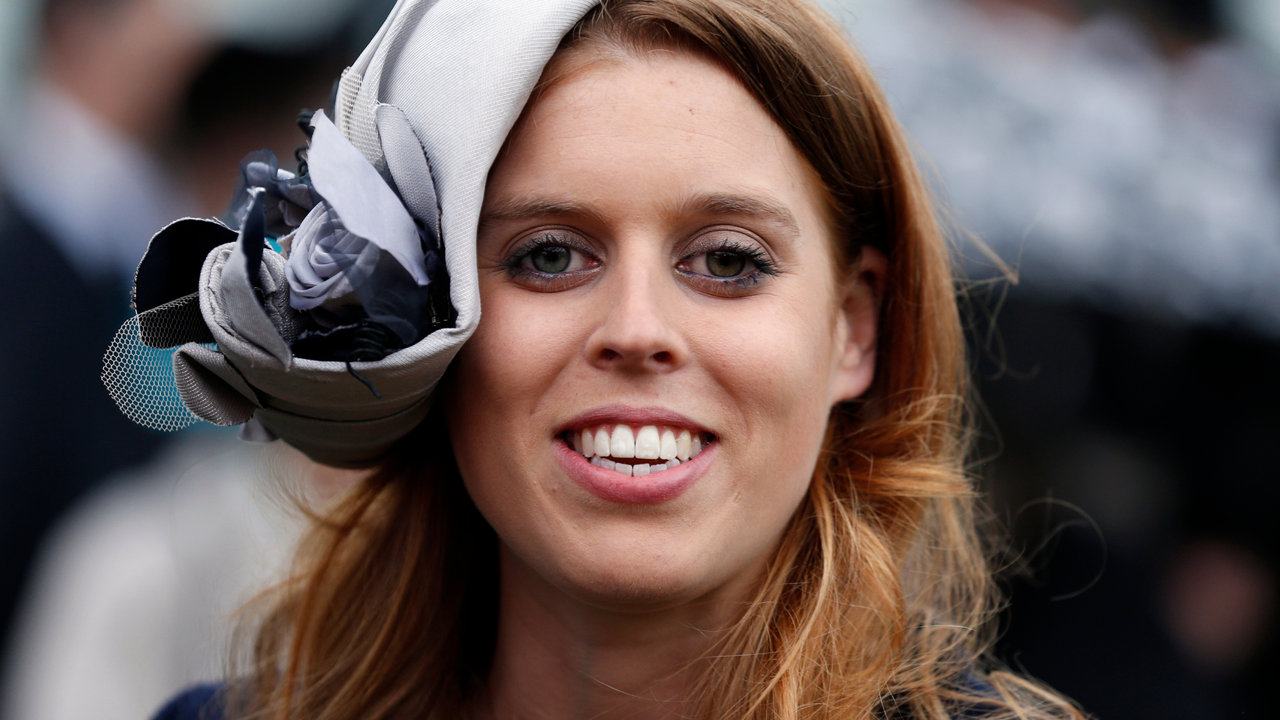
{"x":507,"y":353}
{"x":523,"y":343}
{"x":774,"y":371}
{"x":502,"y":376}
{"x":775,"y":364}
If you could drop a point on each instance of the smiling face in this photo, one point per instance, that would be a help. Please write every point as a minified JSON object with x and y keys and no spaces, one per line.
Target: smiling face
{"x":655,"y":274}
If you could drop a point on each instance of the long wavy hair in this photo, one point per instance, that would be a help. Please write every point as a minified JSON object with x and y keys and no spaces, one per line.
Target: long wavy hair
{"x":879,"y":599}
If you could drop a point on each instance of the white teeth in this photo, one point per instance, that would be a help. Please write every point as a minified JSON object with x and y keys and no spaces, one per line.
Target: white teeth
{"x":683,"y":444}
{"x":648,"y":443}
{"x":668,"y":449}
{"x":623,"y":442}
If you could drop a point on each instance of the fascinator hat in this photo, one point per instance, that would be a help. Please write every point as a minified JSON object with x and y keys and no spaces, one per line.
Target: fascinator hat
{"x":325,"y":306}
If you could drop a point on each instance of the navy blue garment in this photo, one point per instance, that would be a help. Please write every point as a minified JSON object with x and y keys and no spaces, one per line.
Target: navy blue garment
{"x":60,"y":433}
{"x":894,"y":708}
{"x":202,"y":702}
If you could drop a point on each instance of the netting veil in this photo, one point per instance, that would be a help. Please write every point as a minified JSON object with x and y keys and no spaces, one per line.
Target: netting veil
{"x":138,"y":371}
{"x":324,"y":307}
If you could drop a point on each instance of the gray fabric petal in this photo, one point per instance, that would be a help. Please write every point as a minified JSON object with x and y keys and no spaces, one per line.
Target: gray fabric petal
{"x":407,"y":162}
{"x":210,"y":387}
{"x":369,"y":208}
{"x":242,"y":305}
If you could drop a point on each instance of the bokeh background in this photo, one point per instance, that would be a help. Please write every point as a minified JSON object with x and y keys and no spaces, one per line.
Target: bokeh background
{"x":1111,"y":173}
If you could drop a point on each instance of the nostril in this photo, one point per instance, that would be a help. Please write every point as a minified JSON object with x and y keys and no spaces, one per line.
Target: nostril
{"x":609,"y":355}
{"x":663,"y":357}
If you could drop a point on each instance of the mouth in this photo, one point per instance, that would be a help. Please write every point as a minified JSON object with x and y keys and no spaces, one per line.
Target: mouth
{"x":637,"y":450}
{"x":636,"y":456}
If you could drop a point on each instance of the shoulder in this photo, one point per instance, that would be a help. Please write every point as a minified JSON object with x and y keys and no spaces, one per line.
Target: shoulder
{"x":203,"y":702}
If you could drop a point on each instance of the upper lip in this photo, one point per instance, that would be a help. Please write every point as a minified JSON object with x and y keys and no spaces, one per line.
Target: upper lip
{"x":627,"y":415}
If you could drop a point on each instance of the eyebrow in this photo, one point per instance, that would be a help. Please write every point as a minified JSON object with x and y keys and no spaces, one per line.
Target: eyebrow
{"x":524,"y":208}
{"x":755,"y":206}
{"x":716,"y":204}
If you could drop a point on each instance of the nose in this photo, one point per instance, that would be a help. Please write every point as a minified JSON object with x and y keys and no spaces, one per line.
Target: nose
{"x":640,"y":330}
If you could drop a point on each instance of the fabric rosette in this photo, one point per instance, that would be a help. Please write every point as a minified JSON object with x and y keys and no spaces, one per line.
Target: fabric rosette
{"x":304,"y":273}
{"x":319,"y":251}
{"x":325,"y":306}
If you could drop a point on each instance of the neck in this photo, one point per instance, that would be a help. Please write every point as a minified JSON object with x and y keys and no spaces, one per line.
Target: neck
{"x":559,"y":657}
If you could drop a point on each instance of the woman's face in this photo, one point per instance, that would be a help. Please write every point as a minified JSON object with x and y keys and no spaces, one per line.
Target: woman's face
{"x":655,"y":273}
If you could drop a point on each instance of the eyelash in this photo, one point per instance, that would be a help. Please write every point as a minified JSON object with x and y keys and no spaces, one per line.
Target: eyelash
{"x":514,"y":263}
{"x":764,"y":265}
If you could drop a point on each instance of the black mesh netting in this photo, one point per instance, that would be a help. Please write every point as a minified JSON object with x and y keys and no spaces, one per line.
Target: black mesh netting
{"x":138,"y":366}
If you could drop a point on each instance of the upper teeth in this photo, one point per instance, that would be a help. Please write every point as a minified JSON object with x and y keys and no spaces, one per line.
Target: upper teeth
{"x":647,"y":443}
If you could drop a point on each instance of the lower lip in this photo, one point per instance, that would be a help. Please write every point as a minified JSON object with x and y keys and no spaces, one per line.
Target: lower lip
{"x":651,"y":489}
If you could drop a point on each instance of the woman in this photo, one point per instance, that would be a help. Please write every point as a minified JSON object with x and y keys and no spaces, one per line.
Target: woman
{"x":704,"y":455}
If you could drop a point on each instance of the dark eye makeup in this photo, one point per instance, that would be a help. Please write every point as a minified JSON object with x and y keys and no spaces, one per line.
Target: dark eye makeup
{"x":721,"y":262}
{"x":551,"y":261}
{"x":726,"y":263}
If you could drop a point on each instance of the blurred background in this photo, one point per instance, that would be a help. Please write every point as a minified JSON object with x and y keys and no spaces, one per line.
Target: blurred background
{"x":1121,"y":158}
{"x":124,"y":552}
{"x":1111,"y":168}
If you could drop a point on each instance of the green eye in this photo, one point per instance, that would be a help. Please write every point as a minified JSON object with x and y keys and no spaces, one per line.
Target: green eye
{"x":725,"y":263}
{"x":551,"y":259}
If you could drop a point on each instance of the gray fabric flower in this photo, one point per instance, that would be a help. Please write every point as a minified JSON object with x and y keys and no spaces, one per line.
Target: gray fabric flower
{"x":319,"y":251}
{"x":358,"y":254}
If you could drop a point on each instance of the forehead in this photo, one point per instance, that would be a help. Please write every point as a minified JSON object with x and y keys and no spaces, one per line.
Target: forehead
{"x":670,"y":124}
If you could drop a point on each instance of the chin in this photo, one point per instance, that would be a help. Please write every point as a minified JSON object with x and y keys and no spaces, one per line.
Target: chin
{"x":634,"y":572}
{"x":636,"y":587}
